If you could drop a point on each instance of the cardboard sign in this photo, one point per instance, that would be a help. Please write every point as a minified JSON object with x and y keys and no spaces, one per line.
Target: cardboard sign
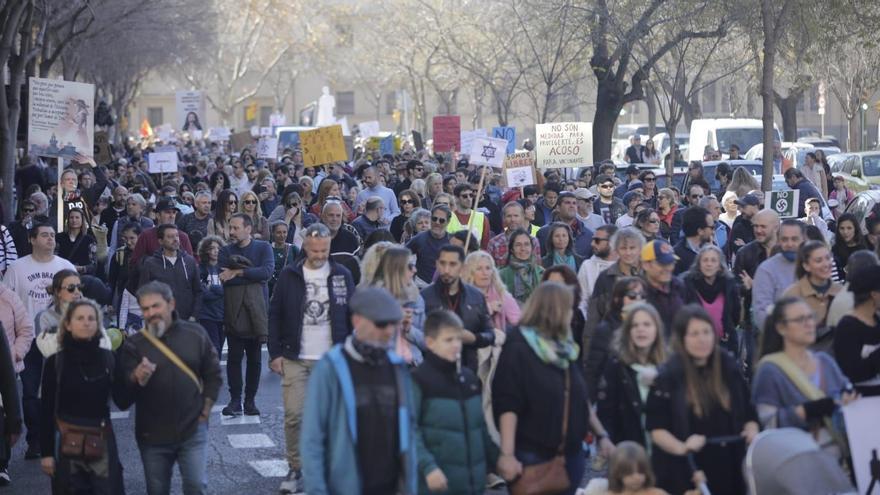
{"x":564,"y":144}
{"x":163,"y":162}
{"x":519,"y":169}
{"x":784,"y":203}
{"x":488,"y":151}
{"x":447,"y":133}
{"x":508,"y":133}
{"x":240,"y":140}
{"x":103,"y":151}
{"x":386,"y":145}
{"x":267,"y":147}
{"x":864,"y":438}
{"x":369,"y":129}
{"x":323,"y":145}
{"x":417,"y":140}
{"x":61,"y":118}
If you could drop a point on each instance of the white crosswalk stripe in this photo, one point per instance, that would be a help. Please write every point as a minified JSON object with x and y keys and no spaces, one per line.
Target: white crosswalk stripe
{"x":239,"y":420}
{"x":270,"y":468}
{"x":250,"y":441}
{"x":119,"y":414}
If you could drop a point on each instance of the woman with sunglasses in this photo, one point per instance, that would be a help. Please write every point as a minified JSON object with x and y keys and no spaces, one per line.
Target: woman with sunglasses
{"x":250,"y":205}
{"x":709,"y":283}
{"x":408,"y":201}
{"x":626,"y":291}
{"x":329,"y":188}
{"x":648,"y":223}
{"x":650,"y":155}
{"x":224,"y":208}
{"x":66,"y":288}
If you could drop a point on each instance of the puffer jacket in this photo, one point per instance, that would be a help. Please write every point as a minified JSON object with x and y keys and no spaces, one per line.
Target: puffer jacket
{"x":452,"y":433}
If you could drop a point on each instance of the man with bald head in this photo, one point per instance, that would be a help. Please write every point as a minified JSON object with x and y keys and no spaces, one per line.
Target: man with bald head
{"x":373,"y":188}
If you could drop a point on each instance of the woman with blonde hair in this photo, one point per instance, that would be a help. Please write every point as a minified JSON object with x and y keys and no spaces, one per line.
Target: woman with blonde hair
{"x":308,"y":186}
{"x":249,"y":204}
{"x":395,"y":273}
{"x":742,"y":182}
{"x":539,"y":395}
{"x":433,"y":187}
{"x":78,"y":381}
{"x":370,"y":262}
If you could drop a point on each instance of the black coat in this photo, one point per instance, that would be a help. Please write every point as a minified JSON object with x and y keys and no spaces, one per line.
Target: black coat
{"x":619,"y":404}
{"x":597,"y":354}
{"x":730,"y":317}
{"x":742,"y":229}
{"x":473,"y":313}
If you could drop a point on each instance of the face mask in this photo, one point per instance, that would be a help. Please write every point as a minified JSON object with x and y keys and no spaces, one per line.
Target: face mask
{"x":790,"y":255}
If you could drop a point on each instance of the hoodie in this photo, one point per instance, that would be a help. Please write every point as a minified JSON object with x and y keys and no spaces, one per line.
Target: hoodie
{"x":182,"y":276}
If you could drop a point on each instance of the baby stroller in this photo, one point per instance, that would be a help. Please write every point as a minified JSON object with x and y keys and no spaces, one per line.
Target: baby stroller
{"x":787,"y":461}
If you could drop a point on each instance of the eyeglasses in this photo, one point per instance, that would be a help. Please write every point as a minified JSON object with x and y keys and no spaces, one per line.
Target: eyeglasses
{"x":801,"y":319}
{"x":75,"y":287}
{"x":438,"y":220}
{"x":250,"y":201}
{"x":407,"y":202}
{"x":233,"y":202}
{"x":696,"y":196}
{"x":635,"y":294}
{"x":292,"y":204}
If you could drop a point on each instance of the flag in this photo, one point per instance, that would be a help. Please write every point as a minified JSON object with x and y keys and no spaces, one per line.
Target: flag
{"x":146,"y":130}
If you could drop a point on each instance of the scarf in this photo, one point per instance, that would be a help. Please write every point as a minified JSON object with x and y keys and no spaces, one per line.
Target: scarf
{"x":525,"y":277}
{"x":551,"y":351}
{"x":706,"y":290}
{"x":370,"y":354}
{"x":567,"y":259}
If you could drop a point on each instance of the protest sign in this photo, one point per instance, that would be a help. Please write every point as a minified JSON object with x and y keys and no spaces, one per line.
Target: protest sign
{"x":374,"y":143}
{"x":564,"y":144}
{"x":267,"y":147}
{"x":277,"y":119}
{"x":266,"y":132}
{"x":103,"y":152}
{"x":519,"y":169}
{"x":508,"y":133}
{"x":190,"y":110}
{"x":784,"y":203}
{"x":447,"y":133}
{"x":240,"y":140}
{"x":369,"y":129}
{"x":488,"y":151}
{"x":467,"y":139}
{"x":386,"y":145}
{"x":61,"y":118}
{"x":219,"y":133}
{"x":162,"y":162}
{"x":864,"y":439}
{"x":323,"y":145}
{"x":418,"y":142}
{"x":255,"y":131}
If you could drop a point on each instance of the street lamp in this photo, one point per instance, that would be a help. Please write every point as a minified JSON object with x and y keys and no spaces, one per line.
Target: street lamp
{"x":862,"y":110}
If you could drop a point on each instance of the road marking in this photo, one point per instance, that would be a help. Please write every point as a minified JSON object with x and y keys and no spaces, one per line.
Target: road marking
{"x":250,"y":441}
{"x":223,"y":363}
{"x":119,"y":414}
{"x":270,"y":468}
{"x":217,"y":409}
{"x":239,"y":420}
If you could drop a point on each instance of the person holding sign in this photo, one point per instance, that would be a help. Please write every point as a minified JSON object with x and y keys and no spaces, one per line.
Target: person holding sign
{"x":464,"y":217}
{"x":83,"y":198}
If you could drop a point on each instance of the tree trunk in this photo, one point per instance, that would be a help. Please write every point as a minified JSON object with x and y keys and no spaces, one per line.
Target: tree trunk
{"x":788,"y":109}
{"x":609,"y":102}
{"x":852,"y":135}
{"x":768,"y":18}
{"x":651,"y":101}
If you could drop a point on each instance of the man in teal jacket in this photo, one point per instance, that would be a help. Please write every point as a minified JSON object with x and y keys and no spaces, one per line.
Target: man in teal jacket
{"x":358,"y":429}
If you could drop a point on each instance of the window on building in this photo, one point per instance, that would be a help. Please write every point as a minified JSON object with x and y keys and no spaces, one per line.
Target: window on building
{"x":391,"y":102}
{"x":344,"y":103}
{"x":708,"y":97}
{"x":265,"y":113}
{"x":155,"y":116}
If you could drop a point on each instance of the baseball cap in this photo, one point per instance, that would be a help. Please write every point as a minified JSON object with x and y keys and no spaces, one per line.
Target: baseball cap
{"x":867,"y":281}
{"x":375,"y":304}
{"x":584,"y":193}
{"x":748,"y":200}
{"x":166,"y":204}
{"x":632,"y":169}
{"x":659,"y":251}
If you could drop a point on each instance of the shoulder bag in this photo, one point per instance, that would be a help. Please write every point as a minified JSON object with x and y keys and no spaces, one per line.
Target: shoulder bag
{"x":172,"y":357}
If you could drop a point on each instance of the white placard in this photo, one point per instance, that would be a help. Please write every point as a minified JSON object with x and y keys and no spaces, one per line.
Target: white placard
{"x":564,"y":144}
{"x":467,"y":139}
{"x":219,"y":133}
{"x":61,"y":118}
{"x":265,"y":131}
{"x":344,"y":123}
{"x":864,"y":437}
{"x":267,"y":147}
{"x":519,"y":169}
{"x":369,"y":128}
{"x":255,"y":131}
{"x":190,"y":111}
{"x":163,"y":162}
{"x":277,"y":119}
{"x":487,"y":151}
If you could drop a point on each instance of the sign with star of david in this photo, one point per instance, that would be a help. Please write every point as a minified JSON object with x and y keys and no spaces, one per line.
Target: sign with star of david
{"x":488,"y":151}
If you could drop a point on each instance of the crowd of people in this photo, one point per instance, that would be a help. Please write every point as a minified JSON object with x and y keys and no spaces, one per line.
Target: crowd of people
{"x":434,"y":331}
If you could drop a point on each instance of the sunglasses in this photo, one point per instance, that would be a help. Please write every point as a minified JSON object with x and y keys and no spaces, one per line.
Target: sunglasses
{"x":29,"y":210}
{"x":249,"y":202}
{"x":649,"y":179}
{"x":634,"y":294}
{"x":466,"y":196}
{"x":232,"y":202}
{"x":407,"y":202}
{"x":438,"y":220}
{"x":292,"y":205}
{"x":75,"y":287}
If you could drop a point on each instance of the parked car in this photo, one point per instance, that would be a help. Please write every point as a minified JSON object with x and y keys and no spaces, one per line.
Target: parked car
{"x":663,"y":143}
{"x":861,"y":171}
{"x":755,"y":167}
{"x":826,"y":140}
{"x":862,"y":205}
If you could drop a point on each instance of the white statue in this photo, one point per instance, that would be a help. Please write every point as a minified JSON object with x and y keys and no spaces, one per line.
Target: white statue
{"x":326,"y":105}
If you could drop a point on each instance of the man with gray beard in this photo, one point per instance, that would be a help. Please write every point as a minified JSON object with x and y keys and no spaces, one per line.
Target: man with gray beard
{"x":174,"y":375}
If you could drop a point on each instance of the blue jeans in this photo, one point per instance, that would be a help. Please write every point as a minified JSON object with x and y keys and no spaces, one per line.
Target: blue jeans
{"x":575,"y":465}
{"x":191,"y":457}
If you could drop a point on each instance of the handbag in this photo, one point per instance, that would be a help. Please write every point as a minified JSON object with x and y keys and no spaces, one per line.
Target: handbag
{"x":550,"y":477}
{"x":86,"y":443}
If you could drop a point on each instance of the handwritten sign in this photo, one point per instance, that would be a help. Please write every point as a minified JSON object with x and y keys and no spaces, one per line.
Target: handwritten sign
{"x":488,"y":151}
{"x":162,"y":162}
{"x":447,"y":133}
{"x":467,"y":139}
{"x":369,"y":128}
{"x":519,"y":169}
{"x":508,"y":133}
{"x":267,"y":147}
{"x":323,"y":145}
{"x":564,"y":144}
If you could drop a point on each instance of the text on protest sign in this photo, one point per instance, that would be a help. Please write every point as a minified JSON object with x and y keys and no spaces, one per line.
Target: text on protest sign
{"x":564,"y":144}
{"x":508,"y":133}
{"x":784,"y":203}
{"x":519,"y":169}
{"x":61,"y":118}
{"x":467,"y":139}
{"x":267,"y":147}
{"x":323,"y":145}
{"x":488,"y":151}
{"x":447,"y":133}
{"x":163,"y":162}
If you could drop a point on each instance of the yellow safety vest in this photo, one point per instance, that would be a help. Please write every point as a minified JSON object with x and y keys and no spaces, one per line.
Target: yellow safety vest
{"x":476,"y":224}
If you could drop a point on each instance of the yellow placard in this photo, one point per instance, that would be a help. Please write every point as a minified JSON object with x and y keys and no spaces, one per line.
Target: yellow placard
{"x":323,"y":145}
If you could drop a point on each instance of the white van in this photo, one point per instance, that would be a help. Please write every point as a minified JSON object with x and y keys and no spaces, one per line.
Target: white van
{"x":721,"y":133}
